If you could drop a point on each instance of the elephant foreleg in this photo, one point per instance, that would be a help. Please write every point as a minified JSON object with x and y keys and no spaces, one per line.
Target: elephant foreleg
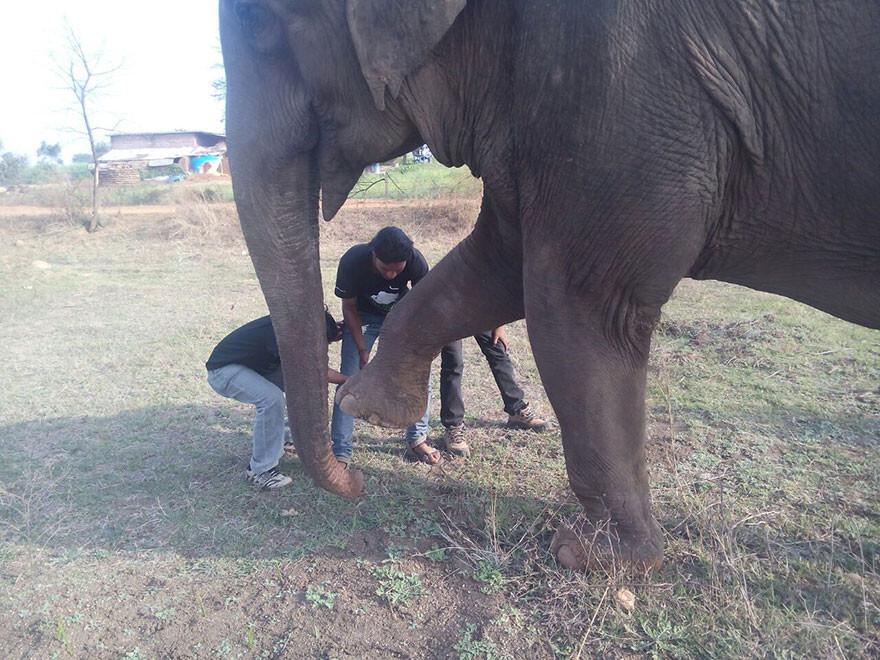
{"x":476,"y":287}
{"x":592,"y":355}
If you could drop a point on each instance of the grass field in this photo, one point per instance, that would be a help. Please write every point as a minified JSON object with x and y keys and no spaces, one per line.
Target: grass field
{"x":127,"y":530}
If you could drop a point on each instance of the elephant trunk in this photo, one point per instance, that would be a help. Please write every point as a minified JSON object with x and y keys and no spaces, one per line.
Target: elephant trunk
{"x":271,"y":139}
{"x":278,"y":209}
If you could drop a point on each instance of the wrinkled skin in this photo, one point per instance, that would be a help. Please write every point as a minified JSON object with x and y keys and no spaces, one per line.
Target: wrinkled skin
{"x":623,"y":145}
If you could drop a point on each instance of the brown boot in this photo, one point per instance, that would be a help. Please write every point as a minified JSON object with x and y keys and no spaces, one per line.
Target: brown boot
{"x":525,"y":419}
{"x":454,"y":441}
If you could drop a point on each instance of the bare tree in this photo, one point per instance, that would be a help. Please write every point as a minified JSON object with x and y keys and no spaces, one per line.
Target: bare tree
{"x":86,"y":76}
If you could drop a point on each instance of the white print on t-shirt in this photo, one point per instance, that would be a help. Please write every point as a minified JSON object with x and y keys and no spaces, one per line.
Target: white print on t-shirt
{"x":385,"y":299}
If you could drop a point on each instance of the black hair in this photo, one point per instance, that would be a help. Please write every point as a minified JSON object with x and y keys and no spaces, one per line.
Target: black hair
{"x":331,"y":326}
{"x":391,"y":245}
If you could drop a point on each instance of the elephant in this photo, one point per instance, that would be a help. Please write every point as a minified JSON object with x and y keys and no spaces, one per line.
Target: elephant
{"x":622,"y":145}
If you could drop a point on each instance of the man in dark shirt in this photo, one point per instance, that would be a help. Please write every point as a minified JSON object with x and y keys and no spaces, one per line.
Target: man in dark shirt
{"x":493,"y":344}
{"x":246,"y":366}
{"x":370,"y":279}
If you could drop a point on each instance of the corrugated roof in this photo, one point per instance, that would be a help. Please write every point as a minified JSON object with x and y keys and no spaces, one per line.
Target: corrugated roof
{"x":174,"y":132}
{"x":158,"y":153}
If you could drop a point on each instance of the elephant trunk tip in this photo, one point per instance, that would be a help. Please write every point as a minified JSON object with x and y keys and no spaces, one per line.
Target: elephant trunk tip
{"x":343,"y":482}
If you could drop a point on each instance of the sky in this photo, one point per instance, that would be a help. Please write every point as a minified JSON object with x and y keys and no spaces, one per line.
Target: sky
{"x":169,"y":51}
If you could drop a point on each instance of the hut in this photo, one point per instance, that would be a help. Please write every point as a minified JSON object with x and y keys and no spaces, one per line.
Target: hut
{"x":192,"y":151}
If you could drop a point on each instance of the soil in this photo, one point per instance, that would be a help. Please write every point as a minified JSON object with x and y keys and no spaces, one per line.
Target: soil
{"x":123,"y":605}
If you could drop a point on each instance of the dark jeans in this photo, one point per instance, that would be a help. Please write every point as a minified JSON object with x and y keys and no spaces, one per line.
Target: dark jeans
{"x":451,"y":366}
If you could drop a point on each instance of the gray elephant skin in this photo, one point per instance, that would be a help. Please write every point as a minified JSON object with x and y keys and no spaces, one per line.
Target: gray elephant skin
{"x":622,"y":144}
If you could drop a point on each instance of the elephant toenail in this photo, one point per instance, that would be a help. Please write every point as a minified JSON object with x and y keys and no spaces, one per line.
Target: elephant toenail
{"x":348,"y":404}
{"x":566,"y":557}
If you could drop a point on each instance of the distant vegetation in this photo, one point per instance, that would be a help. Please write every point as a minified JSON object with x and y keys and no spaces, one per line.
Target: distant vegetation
{"x":16,"y":168}
{"x":33,"y":186}
{"x":417,"y":181}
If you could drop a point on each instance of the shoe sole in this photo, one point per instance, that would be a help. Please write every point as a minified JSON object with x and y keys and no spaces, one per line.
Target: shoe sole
{"x":461,"y":453}
{"x":257,"y":486}
{"x":253,"y":484}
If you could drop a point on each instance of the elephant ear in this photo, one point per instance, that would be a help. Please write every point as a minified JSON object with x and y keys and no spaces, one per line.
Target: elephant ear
{"x":392,"y":37}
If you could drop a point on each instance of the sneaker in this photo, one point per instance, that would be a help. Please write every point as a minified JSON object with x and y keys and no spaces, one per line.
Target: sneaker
{"x":270,"y":479}
{"x":289,"y":447}
{"x":525,"y":419}
{"x":454,"y":441}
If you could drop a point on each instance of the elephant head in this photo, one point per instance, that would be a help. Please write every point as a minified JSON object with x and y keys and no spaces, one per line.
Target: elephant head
{"x":311,"y":89}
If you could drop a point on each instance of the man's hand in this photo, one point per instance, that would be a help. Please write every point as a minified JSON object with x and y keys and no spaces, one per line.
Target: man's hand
{"x":335,"y":377}
{"x":364,"y":355}
{"x":498,"y":335}
{"x":338,"y":334}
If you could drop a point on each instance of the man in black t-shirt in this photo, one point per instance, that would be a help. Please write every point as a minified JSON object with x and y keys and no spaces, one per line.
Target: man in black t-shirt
{"x":370,"y":285}
{"x":246,"y":366}
{"x":370,"y":279}
{"x":493,"y":344}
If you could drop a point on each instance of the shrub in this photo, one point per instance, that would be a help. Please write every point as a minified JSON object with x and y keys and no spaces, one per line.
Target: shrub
{"x":201,"y":221}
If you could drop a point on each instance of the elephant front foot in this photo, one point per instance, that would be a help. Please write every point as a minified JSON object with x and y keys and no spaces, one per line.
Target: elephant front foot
{"x":587,"y":547}
{"x":394,"y":399}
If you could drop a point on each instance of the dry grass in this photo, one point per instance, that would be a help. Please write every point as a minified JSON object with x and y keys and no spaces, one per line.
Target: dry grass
{"x":199,"y":221}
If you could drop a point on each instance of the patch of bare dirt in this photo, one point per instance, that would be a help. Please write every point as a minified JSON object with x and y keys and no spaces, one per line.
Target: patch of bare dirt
{"x":168,"y":607}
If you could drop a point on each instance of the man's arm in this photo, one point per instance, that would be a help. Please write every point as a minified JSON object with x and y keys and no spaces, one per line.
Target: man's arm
{"x":335,"y":377}
{"x":353,"y":322}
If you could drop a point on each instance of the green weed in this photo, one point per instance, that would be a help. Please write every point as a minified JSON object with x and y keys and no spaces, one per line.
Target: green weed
{"x":61,"y":636}
{"x":489,"y":573}
{"x":664,"y":638}
{"x":318,"y":596}
{"x":396,"y":587}
{"x":436,"y":554}
{"x":469,"y":648}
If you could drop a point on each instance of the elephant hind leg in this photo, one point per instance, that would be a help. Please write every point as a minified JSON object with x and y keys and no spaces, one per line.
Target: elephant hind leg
{"x":592,"y":356}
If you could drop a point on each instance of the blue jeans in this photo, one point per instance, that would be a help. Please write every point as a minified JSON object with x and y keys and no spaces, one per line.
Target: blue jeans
{"x":238,"y":382}
{"x":342,"y":424}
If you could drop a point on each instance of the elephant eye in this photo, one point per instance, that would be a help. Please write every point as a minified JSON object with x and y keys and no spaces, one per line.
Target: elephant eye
{"x":261,"y":27}
{"x":254,"y":17}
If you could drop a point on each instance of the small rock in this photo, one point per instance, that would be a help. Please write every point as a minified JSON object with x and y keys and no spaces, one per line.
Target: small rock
{"x":289,"y":513}
{"x":19,"y":243}
{"x":42,"y":265}
{"x":626,"y":599}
